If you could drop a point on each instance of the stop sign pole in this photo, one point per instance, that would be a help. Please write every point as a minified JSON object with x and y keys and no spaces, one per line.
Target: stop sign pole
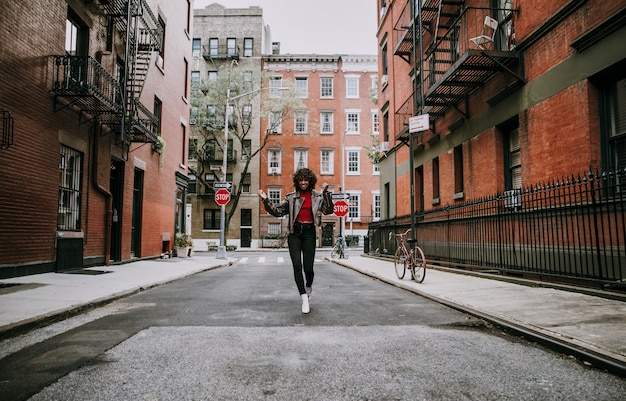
{"x":341,"y":208}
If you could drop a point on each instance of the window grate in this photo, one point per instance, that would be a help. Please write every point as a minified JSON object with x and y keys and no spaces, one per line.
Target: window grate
{"x":7,"y":129}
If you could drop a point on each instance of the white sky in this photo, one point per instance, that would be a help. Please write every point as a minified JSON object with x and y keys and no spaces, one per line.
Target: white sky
{"x":316,"y":26}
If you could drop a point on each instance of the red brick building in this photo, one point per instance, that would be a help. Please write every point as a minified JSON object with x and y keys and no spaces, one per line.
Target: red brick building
{"x":523,"y":99}
{"x":333,"y":135}
{"x":531,"y":101}
{"x":94,"y":129}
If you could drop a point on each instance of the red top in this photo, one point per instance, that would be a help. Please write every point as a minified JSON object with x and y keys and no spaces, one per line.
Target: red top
{"x":306,"y":213}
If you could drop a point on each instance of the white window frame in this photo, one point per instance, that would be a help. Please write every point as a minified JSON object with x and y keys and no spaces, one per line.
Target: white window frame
{"x":352,"y":86}
{"x":353,"y":160}
{"x":354,"y":206}
{"x":274,"y":195}
{"x":274,"y":161}
{"x":275,"y":122}
{"x":196,"y":51}
{"x":302,"y":87}
{"x":327,"y":161}
{"x":375,"y":122}
{"x":323,"y":88}
{"x":327,"y":125}
{"x":231,"y":46}
{"x":300,"y":122}
{"x":376,"y":205}
{"x":353,"y":121}
{"x":214,"y":45}
{"x":248,"y":45}
{"x":274,"y":228}
{"x":300,"y":159}
{"x":70,"y":189}
{"x":275,"y":84}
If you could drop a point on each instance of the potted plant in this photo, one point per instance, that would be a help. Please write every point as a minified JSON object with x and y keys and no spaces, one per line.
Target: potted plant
{"x":183,"y":245}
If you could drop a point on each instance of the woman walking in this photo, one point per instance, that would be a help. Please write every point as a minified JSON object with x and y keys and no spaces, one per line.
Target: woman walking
{"x":305,"y":207}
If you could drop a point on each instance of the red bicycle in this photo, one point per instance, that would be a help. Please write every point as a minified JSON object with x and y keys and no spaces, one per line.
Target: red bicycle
{"x":411,"y":258}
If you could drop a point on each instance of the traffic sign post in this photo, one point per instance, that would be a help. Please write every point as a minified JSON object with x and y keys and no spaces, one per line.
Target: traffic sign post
{"x":341,"y":208}
{"x":222,"y":197}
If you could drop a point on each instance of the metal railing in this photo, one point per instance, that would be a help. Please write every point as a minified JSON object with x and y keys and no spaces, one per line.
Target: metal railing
{"x":571,"y":230}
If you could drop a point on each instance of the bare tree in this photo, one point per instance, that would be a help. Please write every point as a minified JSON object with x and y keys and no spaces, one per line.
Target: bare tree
{"x":248,"y":99}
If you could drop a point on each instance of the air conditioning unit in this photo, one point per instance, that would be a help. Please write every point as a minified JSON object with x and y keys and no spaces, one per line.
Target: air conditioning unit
{"x":384,"y":146}
{"x":385,"y":79}
{"x":512,"y":199}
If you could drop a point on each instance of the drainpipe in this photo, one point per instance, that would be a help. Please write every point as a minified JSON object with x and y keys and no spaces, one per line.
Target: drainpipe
{"x":107,"y":194}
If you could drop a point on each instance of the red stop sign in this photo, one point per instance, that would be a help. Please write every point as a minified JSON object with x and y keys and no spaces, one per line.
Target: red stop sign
{"x":341,"y":208}
{"x":222,"y":197}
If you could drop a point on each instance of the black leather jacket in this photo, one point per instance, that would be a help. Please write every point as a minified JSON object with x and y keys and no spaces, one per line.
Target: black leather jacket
{"x":321,"y":201}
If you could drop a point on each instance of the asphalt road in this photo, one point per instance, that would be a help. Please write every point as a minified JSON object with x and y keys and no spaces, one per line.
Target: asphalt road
{"x":237,"y":333}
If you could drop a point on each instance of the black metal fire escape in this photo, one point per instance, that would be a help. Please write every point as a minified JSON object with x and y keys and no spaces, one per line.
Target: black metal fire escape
{"x":82,"y":82}
{"x":452,"y":67}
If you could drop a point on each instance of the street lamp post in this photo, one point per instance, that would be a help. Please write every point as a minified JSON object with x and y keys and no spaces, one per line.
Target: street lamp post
{"x":221,"y":249}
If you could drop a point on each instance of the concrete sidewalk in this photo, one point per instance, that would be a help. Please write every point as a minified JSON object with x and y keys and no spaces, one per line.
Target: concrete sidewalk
{"x":590,"y":327}
{"x":31,"y":301}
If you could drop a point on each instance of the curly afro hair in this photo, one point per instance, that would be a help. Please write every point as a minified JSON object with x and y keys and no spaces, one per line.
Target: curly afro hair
{"x":304,"y":174}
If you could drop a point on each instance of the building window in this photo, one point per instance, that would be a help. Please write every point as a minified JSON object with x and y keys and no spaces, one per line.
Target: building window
{"x":161,"y":62}
{"x":246,"y":149}
{"x":274,"y":161}
{"x":300,"y":126}
{"x":193,"y":149}
{"x":386,"y":127}
{"x":247,"y":47}
{"x":376,"y":207}
{"x":275,"y":84}
{"x":76,"y":35}
{"x":231,"y":47}
{"x":273,"y":228}
{"x":354,"y":207}
{"x":246,"y":115}
{"x":214,"y":46}
{"x":458,"y":169}
{"x":353,"y":161}
{"x":70,"y":176}
{"x":301,"y":159}
{"x":157,"y":111}
{"x":375,"y":123}
{"x":195,"y":78}
{"x":211,"y":219}
{"x":327,"y":161}
{"x":211,"y":115}
{"x":245,"y":185}
{"x":326,"y":121}
{"x":185,"y":83}
{"x":184,"y":144}
{"x":274,"y":196}
{"x":617,"y":126}
{"x":302,"y":87}
{"x":193,"y":115}
{"x":352,"y":87}
{"x":275,"y":123}
{"x":196,"y":47}
{"x":326,"y":88}
{"x":247,"y":81}
{"x":513,"y":177}
{"x":352,"y":122}
{"x":209,"y":179}
{"x":212,"y":76}
{"x":191,"y":185}
{"x":436,"y":180}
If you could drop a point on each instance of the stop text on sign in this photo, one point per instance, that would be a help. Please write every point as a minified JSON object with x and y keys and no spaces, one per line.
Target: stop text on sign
{"x":222,"y":197}
{"x":341,"y":208}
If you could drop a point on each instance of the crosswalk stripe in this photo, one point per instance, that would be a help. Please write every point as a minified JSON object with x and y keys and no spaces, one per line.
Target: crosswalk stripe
{"x":262,"y":259}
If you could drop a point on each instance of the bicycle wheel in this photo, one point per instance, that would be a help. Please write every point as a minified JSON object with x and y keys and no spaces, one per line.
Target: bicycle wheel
{"x":399,"y":261}
{"x":334,"y":253}
{"x":419,"y":264}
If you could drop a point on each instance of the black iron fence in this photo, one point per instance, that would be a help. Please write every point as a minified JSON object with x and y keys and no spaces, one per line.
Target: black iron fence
{"x":571,"y":230}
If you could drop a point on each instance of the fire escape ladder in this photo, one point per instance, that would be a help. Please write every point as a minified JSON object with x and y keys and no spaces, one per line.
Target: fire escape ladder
{"x":142,"y":33}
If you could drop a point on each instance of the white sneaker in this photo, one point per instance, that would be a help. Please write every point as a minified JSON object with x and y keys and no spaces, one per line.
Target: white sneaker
{"x":309,"y":290}
{"x":305,"y":303}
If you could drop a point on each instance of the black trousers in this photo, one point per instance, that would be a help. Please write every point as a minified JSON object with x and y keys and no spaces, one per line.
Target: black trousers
{"x":302,"y":252}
